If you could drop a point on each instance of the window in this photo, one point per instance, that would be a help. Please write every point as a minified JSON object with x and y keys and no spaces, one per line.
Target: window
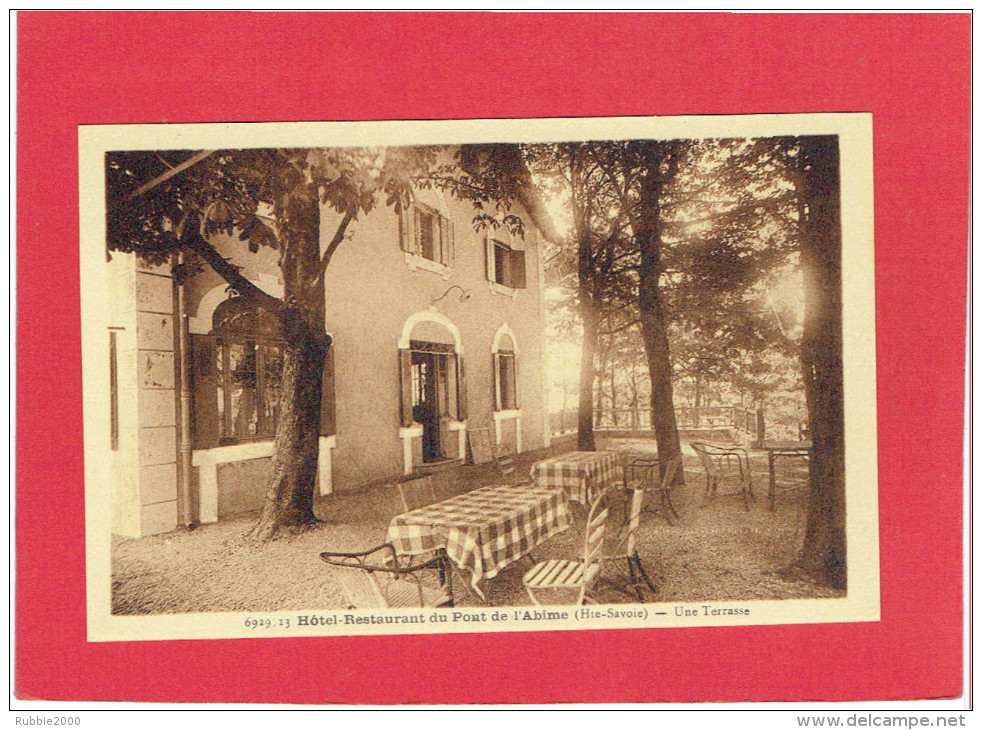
{"x":507,"y":391}
{"x":237,"y":374}
{"x":248,"y":397}
{"x":505,"y":265}
{"x":425,"y":233}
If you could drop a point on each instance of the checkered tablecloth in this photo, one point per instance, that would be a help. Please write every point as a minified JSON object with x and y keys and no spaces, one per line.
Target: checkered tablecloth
{"x":483,"y":530}
{"x":578,"y":473}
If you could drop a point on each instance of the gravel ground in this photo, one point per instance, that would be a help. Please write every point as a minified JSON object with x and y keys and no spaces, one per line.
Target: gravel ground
{"x":716,"y":552}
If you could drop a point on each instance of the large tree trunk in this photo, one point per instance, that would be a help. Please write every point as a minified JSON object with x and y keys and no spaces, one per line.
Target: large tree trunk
{"x":585,"y":440}
{"x":589,"y":305}
{"x":654,"y":333}
{"x":290,"y":495}
{"x":823,"y":555}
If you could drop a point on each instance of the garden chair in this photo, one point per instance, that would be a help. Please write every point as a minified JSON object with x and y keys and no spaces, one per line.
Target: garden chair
{"x":416,"y":492}
{"x":656,"y":475}
{"x":717,"y":462}
{"x":445,"y":485}
{"x":374,"y":579}
{"x":623,"y":547}
{"x":504,"y":459}
{"x":576,"y":577}
{"x":663,"y":474}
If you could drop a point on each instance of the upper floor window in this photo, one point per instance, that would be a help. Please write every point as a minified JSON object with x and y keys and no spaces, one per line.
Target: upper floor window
{"x":425,"y":233}
{"x":505,"y":265}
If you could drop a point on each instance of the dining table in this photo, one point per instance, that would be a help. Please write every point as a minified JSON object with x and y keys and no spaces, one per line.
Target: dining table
{"x":776,"y":450}
{"x":580,"y":474}
{"x":484,"y":530}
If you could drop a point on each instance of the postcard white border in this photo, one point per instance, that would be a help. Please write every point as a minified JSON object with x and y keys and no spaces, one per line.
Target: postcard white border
{"x":862,"y":602}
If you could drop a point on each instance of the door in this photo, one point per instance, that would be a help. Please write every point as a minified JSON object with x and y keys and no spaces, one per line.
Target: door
{"x":426,"y":403}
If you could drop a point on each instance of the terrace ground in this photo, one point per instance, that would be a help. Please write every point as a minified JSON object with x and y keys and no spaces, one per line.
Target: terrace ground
{"x":717,"y":552}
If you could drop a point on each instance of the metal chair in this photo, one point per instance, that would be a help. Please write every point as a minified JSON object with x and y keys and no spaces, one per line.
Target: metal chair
{"x":717,"y":462}
{"x":576,"y":577}
{"x":374,"y":579}
{"x":658,"y":476}
{"x":623,"y":546}
{"x":664,"y":484}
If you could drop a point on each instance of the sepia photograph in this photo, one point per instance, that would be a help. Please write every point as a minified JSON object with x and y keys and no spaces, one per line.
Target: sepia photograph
{"x":491,"y":359}
{"x":596,"y":381}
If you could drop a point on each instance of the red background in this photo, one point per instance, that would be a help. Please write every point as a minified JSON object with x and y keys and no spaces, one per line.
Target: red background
{"x":911,"y":71}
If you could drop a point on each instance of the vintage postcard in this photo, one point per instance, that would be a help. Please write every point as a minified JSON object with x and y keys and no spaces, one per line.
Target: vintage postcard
{"x":478,"y":376}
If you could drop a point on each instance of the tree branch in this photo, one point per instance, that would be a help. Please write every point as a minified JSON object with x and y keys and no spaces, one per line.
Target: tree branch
{"x":230,"y":272}
{"x":620,"y":328}
{"x":349,"y":216}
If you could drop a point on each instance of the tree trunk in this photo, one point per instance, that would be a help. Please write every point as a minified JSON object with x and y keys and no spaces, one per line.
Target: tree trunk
{"x":585,"y":440}
{"x":589,"y":305}
{"x":761,"y":425}
{"x":654,"y":333}
{"x":663,"y":421}
{"x":290,"y":495}
{"x":613,"y":394}
{"x":823,"y":555}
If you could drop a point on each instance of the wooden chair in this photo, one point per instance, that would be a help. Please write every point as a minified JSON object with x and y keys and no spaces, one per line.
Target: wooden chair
{"x":416,"y":492}
{"x":445,"y":485}
{"x":374,"y":579}
{"x":504,"y":459}
{"x":623,"y":546}
{"x":717,"y":462}
{"x":576,"y":577}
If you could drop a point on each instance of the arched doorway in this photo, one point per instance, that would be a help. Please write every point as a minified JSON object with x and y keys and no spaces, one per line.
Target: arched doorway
{"x":433,"y":390}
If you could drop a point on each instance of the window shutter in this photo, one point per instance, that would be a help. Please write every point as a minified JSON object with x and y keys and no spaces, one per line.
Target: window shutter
{"x":488,"y":258}
{"x":461,"y":389}
{"x":453,"y":243}
{"x":497,"y":381}
{"x":446,"y":241}
{"x":204,"y":391}
{"x":516,"y":274}
{"x":406,"y":385}
{"x":329,"y":419}
{"x":406,"y":235}
{"x":417,"y":244}
{"x":514,"y":381}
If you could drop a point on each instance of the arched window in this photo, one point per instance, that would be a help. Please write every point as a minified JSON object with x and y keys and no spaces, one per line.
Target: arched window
{"x":236,"y":374}
{"x":505,"y":371}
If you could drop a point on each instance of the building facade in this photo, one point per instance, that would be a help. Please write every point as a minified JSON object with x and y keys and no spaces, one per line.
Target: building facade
{"x":436,"y":330}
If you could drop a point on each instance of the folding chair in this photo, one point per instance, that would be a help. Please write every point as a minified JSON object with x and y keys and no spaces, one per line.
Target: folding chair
{"x":576,"y":577}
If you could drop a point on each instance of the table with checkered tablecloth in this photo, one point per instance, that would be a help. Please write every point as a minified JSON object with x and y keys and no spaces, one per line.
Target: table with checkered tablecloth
{"x":484,"y":530}
{"x":578,"y":473}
